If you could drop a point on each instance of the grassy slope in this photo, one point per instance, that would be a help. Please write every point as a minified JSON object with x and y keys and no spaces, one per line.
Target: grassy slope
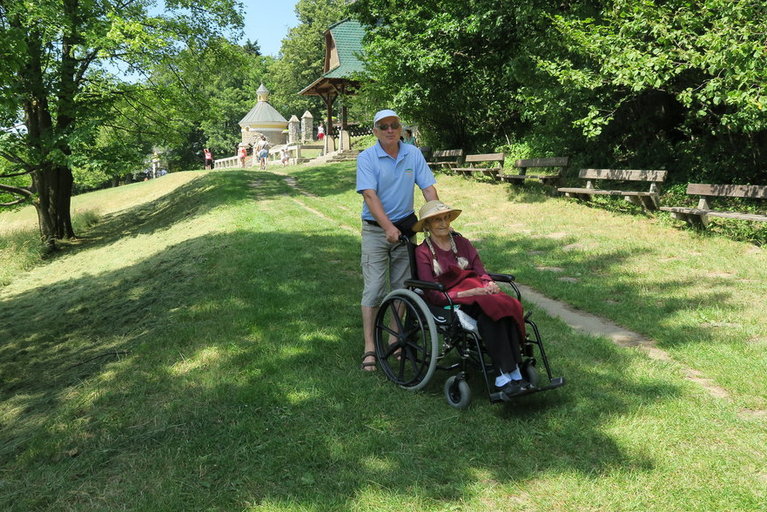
{"x":198,"y":353}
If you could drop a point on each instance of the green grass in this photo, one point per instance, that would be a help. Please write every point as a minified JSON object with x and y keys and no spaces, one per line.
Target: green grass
{"x":197,"y":350}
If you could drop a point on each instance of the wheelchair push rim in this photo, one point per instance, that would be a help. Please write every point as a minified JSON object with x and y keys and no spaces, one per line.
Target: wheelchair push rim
{"x":406,"y":340}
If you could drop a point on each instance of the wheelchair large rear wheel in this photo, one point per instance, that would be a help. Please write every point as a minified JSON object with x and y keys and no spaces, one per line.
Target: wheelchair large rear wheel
{"x":406,"y":339}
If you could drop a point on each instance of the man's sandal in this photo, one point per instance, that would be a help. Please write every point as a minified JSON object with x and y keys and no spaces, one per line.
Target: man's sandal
{"x":368,"y":366}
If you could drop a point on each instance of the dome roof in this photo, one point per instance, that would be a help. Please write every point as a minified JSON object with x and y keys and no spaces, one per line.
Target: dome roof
{"x":263,"y":113}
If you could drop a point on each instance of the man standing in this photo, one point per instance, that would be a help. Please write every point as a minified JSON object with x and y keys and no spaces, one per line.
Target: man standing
{"x":386,"y":174}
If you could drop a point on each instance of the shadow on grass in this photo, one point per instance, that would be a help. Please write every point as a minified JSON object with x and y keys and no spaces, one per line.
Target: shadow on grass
{"x":529,"y":192}
{"x":236,"y":385}
{"x":193,"y":199}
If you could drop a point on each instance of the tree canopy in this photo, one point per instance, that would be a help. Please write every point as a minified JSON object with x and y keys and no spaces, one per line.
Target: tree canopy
{"x":55,"y":82}
{"x":677,"y":84}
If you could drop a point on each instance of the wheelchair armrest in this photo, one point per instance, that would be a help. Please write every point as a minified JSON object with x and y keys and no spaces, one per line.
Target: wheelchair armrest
{"x":428,"y":285}
{"x":503,"y":278}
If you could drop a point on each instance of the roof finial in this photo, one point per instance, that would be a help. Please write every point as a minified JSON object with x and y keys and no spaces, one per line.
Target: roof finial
{"x":263,"y":93}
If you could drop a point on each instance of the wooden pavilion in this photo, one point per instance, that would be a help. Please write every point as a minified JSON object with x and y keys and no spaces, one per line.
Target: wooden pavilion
{"x":343,"y":46}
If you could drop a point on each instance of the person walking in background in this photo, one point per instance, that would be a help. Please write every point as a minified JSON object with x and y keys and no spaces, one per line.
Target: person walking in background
{"x":242,"y":153}
{"x":386,"y":175}
{"x":409,"y":137}
{"x":208,"y":158}
{"x":320,"y":132}
{"x":262,"y":150}
{"x":284,"y":156}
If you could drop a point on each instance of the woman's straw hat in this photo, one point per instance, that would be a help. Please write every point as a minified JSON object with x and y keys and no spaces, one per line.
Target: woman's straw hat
{"x":432,"y":209}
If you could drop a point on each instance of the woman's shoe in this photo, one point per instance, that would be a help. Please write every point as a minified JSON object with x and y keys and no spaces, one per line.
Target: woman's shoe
{"x":515,"y":387}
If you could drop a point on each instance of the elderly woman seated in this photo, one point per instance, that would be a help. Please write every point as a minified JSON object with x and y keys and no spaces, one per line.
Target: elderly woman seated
{"x":451,"y":260}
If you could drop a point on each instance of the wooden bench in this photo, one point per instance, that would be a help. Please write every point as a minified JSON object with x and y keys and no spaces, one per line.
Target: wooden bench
{"x":558,"y":162}
{"x":445,"y":158}
{"x":647,"y":199}
{"x":478,"y":164}
{"x":698,"y":217}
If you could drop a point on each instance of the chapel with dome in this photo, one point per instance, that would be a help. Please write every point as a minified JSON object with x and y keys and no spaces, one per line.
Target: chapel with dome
{"x":263,"y":119}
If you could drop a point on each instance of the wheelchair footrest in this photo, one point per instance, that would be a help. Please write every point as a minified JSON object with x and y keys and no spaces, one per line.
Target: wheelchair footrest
{"x":556,"y":382}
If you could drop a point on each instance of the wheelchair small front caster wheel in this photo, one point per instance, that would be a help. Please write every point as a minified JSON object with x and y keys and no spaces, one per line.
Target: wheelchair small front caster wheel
{"x":457,"y":392}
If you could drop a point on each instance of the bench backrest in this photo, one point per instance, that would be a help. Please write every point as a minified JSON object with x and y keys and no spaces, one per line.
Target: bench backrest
{"x":447,"y":153}
{"x":753,"y":191}
{"x":557,"y":161}
{"x":622,"y":175}
{"x":487,"y":157}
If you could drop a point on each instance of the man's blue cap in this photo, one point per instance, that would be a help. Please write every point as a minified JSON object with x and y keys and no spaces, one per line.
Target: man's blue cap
{"x":384,"y":113}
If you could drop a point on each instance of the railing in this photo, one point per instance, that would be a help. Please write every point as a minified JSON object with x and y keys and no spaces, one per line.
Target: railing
{"x":232,"y":162}
{"x":354,"y":130}
{"x":275,"y":156}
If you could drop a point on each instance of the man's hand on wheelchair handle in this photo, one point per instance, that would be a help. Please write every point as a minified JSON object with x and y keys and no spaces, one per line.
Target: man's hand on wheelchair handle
{"x":392,"y":234}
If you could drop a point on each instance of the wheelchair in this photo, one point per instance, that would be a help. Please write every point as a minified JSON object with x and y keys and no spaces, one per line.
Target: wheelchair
{"x":414,"y":339}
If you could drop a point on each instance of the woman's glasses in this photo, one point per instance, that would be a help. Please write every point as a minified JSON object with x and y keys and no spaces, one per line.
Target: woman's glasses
{"x":384,"y":127}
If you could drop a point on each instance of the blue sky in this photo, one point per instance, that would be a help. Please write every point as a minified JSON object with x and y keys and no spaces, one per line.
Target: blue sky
{"x":268,"y":22}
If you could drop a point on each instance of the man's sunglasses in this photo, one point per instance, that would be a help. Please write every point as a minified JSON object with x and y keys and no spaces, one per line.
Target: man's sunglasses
{"x":384,"y":127}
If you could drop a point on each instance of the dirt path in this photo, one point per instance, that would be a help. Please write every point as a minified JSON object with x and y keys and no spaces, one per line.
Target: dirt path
{"x":582,"y":322}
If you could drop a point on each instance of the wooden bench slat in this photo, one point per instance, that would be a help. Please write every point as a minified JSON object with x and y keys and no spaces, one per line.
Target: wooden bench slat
{"x":488,"y":157}
{"x":447,"y":158}
{"x":446,"y":153}
{"x":752,"y":191}
{"x":530,"y":176}
{"x":599,"y":191}
{"x":623,"y":174}
{"x":714,"y":213}
{"x":739,"y":216}
{"x":556,"y":161}
{"x":684,"y":209}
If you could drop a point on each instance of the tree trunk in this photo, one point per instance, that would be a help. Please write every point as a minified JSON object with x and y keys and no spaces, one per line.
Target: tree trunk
{"x":54,"y":186}
{"x":52,"y":178}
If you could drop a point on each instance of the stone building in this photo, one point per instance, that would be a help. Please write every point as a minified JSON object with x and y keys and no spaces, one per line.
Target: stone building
{"x":263,"y":119}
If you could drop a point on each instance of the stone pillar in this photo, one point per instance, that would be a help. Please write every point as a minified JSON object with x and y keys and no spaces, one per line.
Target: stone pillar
{"x":155,"y":165}
{"x":294,"y":135}
{"x":343,"y":140}
{"x":307,"y":127}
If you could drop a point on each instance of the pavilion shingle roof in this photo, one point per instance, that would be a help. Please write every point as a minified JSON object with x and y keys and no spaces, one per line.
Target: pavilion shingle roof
{"x":348,"y":38}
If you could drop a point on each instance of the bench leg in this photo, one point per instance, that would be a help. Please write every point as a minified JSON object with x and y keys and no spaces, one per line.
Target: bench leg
{"x":649,"y":202}
{"x":698,"y":221}
{"x":695,"y":221}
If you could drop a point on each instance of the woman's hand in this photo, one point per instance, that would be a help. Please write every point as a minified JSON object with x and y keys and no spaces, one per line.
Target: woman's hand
{"x":490,"y":289}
